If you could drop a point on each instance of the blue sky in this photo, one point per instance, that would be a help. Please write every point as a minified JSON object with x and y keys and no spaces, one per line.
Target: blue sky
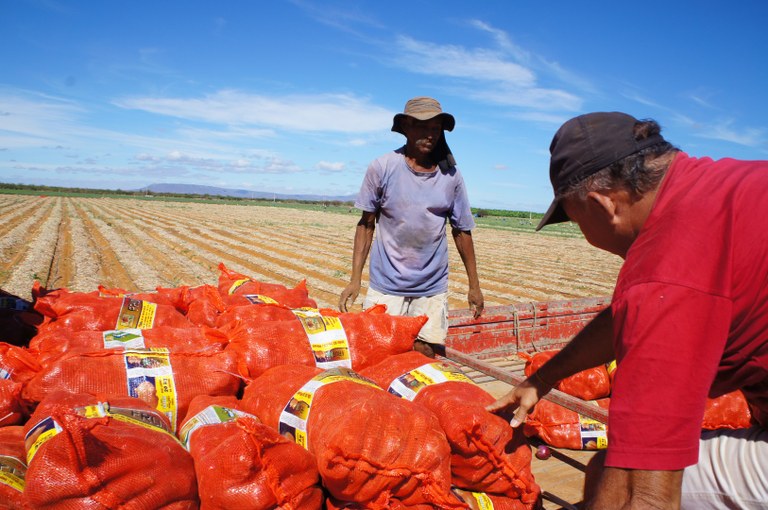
{"x":298,"y":96}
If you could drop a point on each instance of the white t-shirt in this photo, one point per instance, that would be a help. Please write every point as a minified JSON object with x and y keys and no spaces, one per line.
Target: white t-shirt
{"x":409,"y":256}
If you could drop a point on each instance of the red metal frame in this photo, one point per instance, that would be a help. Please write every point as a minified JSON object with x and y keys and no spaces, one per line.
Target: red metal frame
{"x":506,"y":330}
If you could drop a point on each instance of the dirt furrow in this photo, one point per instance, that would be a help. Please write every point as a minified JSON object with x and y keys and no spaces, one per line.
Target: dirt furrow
{"x":33,"y":258}
{"x":111,"y":272}
{"x":61,"y":272}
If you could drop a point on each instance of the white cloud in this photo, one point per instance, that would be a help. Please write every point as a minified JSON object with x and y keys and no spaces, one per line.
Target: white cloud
{"x":340,"y":113}
{"x":458,"y":62}
{"x":331,"y":166}
{"x":502,"y":40}
{"x":749,"y":137}
{"x":504,"y":75}
{"x":29,"y":118}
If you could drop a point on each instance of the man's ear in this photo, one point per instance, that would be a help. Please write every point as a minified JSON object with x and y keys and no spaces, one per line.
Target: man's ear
{"x":602,"y":204}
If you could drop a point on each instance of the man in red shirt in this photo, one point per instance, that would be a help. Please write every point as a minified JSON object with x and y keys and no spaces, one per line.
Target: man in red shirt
{"x":688,"y":318}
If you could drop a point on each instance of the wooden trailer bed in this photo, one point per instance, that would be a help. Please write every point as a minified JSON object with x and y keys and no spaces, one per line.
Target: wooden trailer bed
{"x":487,"y":349}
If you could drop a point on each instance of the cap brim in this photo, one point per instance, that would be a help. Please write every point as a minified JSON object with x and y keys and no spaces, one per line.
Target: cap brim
{"x":555,"y":214}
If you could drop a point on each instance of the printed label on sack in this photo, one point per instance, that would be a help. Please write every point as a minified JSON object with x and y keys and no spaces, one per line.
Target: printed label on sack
{"x":258,"y":299}
{"x":4,"y":374}
{"x":594,"y":435}
{"x":12,"y":472}
{"x":38,"y":435}
{"x":327,"y":338}
{"x":150,"y":378}
{"x":474,"y":500}
{"x":140,"y":417}
{"x":611,"y":367}
{"x":295,"y":415}
{"x":211,"y":415}
{"x":130,"y":338}
{"x":237,"y":285}
{"x":136,"y":314}
{"x":409,"y":384}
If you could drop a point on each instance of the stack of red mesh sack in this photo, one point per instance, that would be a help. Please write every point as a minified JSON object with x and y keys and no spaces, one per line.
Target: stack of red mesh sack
{"x":137,"y":406}
{"x":120,"y":345}
{"x":487,"y":455}
{"x":372,"y":449}
{"x":563,"y":428}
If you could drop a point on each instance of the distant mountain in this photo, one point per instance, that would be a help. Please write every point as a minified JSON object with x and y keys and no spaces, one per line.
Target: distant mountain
{"x":198,"y":189}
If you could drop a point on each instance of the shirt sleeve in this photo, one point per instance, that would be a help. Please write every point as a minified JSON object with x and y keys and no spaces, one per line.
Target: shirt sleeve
{"x":669,"y":340}
{"x":461,"y":214}
{"x":369,"y":197}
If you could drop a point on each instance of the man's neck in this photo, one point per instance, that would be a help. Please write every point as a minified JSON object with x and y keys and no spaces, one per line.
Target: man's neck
{"x":420,"y":162}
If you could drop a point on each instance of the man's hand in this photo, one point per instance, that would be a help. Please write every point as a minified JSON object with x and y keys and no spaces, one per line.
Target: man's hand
{"x":350,"y":291}
{"x":476,"y":301}
{"x":520,"y":400}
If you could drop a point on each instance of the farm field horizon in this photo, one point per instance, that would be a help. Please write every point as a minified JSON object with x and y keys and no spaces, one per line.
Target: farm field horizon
{"x":138,"y":245}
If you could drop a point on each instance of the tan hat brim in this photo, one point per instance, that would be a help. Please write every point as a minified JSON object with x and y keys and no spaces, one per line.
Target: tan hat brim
{"x":448,"y":121}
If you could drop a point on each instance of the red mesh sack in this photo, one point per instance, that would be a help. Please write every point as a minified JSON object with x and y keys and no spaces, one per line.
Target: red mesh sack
{"x":729,"y":411}
{"x":201,"y":305}
{"x":589,"y":384}
{"x":165,"y":381}
{"x":273,"y":312}
{"x":370,"y":446}
{"x":172,"y":297}
{"x":204,"y":304}
{"x":242,"y":463}
{"x":563,"y":428}
{"x":254,"y":313}
{"x":77,"y":311}
{"x":13,"y":409}
{"x":487,"y":455}
{"x":17,"y":366}
{"x":260,"y":345}
{"x":52,"y":345}
{"x":237,"y":289}
{"x":17,"y":363}
{"x":121,"y":456}
{"x":13,"y":468}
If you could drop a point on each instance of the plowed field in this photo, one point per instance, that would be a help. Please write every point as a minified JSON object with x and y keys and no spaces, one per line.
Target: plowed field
{"x":138,"y":245}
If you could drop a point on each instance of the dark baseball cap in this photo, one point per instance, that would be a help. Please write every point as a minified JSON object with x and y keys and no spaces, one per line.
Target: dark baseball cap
{"x":585,"y":145}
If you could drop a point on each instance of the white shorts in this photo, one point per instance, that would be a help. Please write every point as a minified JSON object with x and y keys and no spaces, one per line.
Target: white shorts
{"x":434,"y":307}
{"x":732,"y":472}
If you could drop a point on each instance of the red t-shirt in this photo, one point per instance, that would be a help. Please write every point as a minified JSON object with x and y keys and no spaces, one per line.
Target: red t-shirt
{"x":690,"y":311}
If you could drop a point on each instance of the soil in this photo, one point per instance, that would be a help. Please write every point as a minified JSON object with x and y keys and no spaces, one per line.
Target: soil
{"x":139,"y":245}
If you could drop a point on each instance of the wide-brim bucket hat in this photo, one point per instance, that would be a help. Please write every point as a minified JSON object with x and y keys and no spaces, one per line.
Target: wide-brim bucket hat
{"x":423,"y":108}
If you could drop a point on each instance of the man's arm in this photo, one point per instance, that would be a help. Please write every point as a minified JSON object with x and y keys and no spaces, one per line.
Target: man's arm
{"x":633,"y":488}
{"x":360,"y":250}
{"x":591,"y":347}
{"x":466,"y":248}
